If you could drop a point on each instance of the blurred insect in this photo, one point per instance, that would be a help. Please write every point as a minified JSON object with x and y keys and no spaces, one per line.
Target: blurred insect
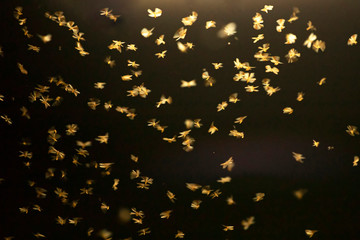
{"x":248,"y":222}
{"x":298,"y":157}
{"x":146,"y":32}
{"x":267,"y":8}
{"x":352,"y":40}
{"x":156,"y":13}
{"x":188,"y":84}
{"x":259,"y":197}
{"x":310,"y":233}
{"x":210,"y":24}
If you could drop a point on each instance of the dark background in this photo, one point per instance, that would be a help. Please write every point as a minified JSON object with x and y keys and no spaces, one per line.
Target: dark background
{"x":263,"y":159}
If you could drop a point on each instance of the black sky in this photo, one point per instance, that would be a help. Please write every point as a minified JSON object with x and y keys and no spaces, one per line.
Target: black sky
{"x":263,"y":159}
